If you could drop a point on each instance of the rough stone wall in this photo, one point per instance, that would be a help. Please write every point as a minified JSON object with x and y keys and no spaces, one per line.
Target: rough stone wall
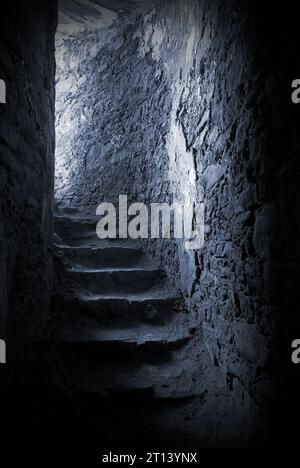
{"x":26,"y":167}
{"x":218,"y":108}
{"x":180,"y":105}
{"x":214,"y":151}
{"x":234,"y":136}
{"x":103,"y":89}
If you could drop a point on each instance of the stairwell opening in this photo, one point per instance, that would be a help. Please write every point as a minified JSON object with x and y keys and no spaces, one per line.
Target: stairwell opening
{"x":118,"y":91}
{"x":146,"y":106}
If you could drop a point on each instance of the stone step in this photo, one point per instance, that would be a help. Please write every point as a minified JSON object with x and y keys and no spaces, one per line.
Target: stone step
{"x":135,"y":381}
{"x":69,"y":326}
{"x":176,"y":374}
{"x":72,"y":229}
{"x":65,"y":210}
{"x":75,"y":231}
{"x":154,"y":307}
{"x":77,"y":219}
{"x":74,"y":218}
{"x":116,"y":345}
{"x":105,"y":256}
{"x":90,"y":239}
{"x":108,"y":280}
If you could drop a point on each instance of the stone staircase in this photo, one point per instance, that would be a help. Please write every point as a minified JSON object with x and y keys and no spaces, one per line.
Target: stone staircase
{"x":118,"y":325}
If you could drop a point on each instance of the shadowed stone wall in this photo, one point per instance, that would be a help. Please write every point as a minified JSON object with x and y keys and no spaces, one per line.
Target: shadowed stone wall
{"x":26,"y":167}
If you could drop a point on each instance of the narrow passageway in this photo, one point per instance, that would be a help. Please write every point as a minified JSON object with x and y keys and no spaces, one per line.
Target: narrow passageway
{"x":120,"y":324}
{"x":154,"y":336}
{"x":137,"y":321}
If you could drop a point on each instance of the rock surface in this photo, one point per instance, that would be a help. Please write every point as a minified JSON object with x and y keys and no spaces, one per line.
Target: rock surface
{"x":170,"y":100}
{"x":26,"y":168}
{"x":165,"y":104}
